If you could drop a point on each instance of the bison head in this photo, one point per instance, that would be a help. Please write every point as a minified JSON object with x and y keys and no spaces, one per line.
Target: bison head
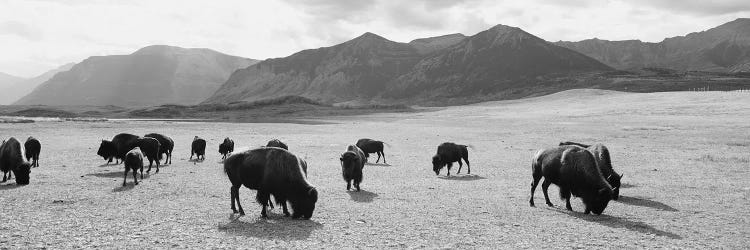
{"x":614,"y":181}
{"x":22,"y":173}
{"x":349,"y":161}
{"x":304,"y":206}
{"x":106,"y":149}
{"x":437,"y":164}
{"x":598,"y":202}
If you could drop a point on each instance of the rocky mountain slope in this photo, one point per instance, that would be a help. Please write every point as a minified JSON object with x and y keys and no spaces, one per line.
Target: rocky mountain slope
{"x":725,"y":48}
{"x":153,"y":75}
{"x":372,"y":67}
{"x":10,"y":93}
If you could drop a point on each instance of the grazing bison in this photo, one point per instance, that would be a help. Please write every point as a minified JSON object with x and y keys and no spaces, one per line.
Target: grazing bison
{"x":447,"y":154}
{"x":11,"y":159}
{"x":133,"y":161}
{"x":272,"y":171}
{"x":601,"y":153}
{"x":167,"y":145}
{"x":108,"y":151}
{"x":33,"y":147}
{"x":573,"y":169}
{"x":226,"y":148}
{"x":352,"y":163}
{"x":151,"y":148}
{"x":369,"y":146}
{"x":277,"y":143}
{"x":198,"y":148}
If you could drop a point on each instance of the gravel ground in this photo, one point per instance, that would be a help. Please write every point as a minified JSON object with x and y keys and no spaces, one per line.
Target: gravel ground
{"x":685,"y":157}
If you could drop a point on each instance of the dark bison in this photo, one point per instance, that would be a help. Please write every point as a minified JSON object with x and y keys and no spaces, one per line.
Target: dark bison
{"x":272,"y":171}
{"x":447,"y":154}
{"x":226,"y":148}
{"x":277,"y":143}
{"x":11,"y":159}
{"x":120,"y":145}
{"x":108,"y":151}
{"x":369,"y":146}
{"x":573,"y":169}
{"x":601,"y":153}
{"x":133,"y":161}
{"x":198,"y":148}
{"x":352,"y":163}
{"x":167,"y":145}
{"x":33,"y":147}
{"x":151,"y":148}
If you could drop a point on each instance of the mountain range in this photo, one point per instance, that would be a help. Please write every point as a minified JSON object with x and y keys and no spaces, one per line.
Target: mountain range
{"x":13,"y":88}
{"x":725,"y":48}
{"x":153,"y":75}
{"x":501,"y":62}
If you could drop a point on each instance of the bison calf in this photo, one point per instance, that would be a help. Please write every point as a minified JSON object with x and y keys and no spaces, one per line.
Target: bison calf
{"x":573,"y":169}
{"x":167,"y":145}
{"x":226,"y":148}
{"x":352,"y":163}
{"x":277,"y":143}
{"x":447,"y":154}
{"x":133,"y":161}
{"x":272,"y":171}
{"x":369,"y":146}
{"x":33,"y":147}
{"x":198,"y":148}
{"x":150,"y":147}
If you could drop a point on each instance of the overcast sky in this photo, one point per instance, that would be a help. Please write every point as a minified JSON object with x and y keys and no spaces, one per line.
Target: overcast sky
{"x":38,"y":35}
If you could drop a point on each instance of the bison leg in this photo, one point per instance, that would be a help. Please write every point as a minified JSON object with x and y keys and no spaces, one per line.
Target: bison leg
{"x":460,"y":165}
{"x":545,"y":185}
{"x":587,"y":211}
{"x":141,"y":168}
{"x":378,"y":160}
{"x":450,"y":165}
{"x":567,"y":204}
{"x":534,"y":183}
{"x":124,"y":180}
{"x":468,"y":165}
{"x":383,"y":153}
{"x":135,"y":173}
{"x":263,"y":198}
{"x":150,"y":162}
{"x":356,"y":184}
{"x":348,"y":185}
{"x":157,"y":166}
{"x":4,"y":178}
{"x":232,"y":194}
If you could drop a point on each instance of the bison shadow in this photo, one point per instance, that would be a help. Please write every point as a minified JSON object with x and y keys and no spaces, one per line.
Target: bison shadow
{"x":272,"y":228}
{"x":10,"y":186}
{"x":642,"y":202}
{"x":362,"y":196}
{"x":129,"y":186}
{"x":621,"y":223}
{"x":378,"y":164}
{"x":119,"y":174}
{"x":194,"y":161}
{"x":463,"y":177}
{"x":627,"y":185}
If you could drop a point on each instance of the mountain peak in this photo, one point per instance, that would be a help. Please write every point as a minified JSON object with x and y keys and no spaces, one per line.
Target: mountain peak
{"x":370,"y":36}
{"x":158,"y":49}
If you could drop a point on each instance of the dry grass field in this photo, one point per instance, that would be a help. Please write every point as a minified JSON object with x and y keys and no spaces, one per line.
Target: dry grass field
{"x":685,"y":157}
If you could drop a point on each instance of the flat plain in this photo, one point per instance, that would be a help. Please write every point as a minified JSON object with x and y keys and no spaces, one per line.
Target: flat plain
{"x":685,"y":157}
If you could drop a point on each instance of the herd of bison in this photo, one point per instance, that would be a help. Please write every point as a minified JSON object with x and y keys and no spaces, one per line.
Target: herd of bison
{"x":580,"y":170}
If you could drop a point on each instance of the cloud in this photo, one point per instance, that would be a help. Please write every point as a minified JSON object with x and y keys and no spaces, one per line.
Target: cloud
{"x":20,"y":29}
{"x":698,"y":7}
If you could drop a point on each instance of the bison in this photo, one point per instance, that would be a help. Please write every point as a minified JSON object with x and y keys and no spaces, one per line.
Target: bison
{"x":11,"y":159}
{"x":133,"y":161}
{"x":120,"y":145}
{"x":573,"y":169}
{"x":352,"y":163}
{"x":167,"y":145}
{"x":447,"y":154}
{"x":151,"y":148}
{"x":277,"y":143}
{"x":369,"y":146}
{"x":108,"y":151}
{"x":272,"y":171}
{"x":32,"y":147}
{"x":226,"y":148}
{"x":198,"y":148}
{"x":601,"y":153}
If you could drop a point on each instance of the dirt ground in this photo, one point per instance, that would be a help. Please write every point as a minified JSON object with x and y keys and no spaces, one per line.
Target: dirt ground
{"x":685,"y":157}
